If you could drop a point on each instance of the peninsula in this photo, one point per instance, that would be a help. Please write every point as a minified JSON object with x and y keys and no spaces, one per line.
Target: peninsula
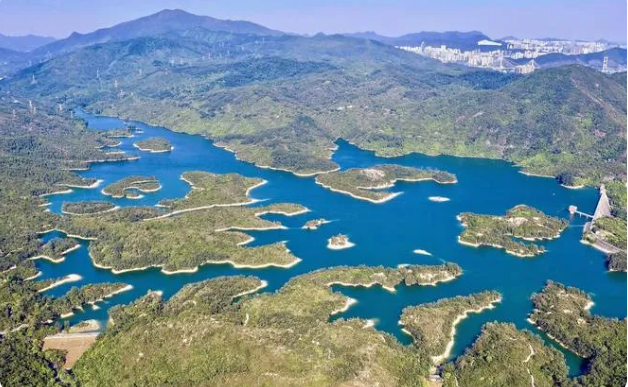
{"x":205,"y":322}
{"x":368,"y":183}
{"x":433,"y":326}
{"x":563,"y":314}
{"x":521,"y":222}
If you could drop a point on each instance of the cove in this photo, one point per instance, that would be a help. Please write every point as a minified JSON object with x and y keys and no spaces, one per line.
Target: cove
{"x":384,"y":234}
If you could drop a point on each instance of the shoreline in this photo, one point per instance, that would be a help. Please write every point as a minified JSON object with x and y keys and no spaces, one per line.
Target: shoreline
{"x":345,"y":245}
{"x":106,"y":296}
{"x":39,"y":273}
{"x":67,"y":191}
{"x":262,"y":285}
{"x":572,"y":186}
{"x":600,"y":248}
{"x":439,"y":359}
{"x":58,"y":260}
{"x":67,"y":279}
{"x":438,"y":281}
{"x":523,"y":172}
{"x":554,"y":339}
{"x":91,"y":186}
{"x":305,"y":210}
{"x":115,"y":208}
{"x":350,"y":302}
{"x":385,"y":199}
{"x":477,"y":245}
{"x":132,"y":187}
{"x":67,"y":234}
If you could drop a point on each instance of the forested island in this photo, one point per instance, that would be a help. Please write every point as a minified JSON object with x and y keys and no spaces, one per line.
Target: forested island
{"x":210,"y":189}
{"x":367,"y":183}
{"x":206,"y":235}
{"x":154,"y":145}
{"x":520,"y":222}
{"x":125,"y":188}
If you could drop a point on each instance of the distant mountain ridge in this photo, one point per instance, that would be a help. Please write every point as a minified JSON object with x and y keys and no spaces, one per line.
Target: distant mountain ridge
{"x":24,"y":43}
{"x":617,"y":59}
{"x":161,"y":22}
{"x":454,"y":39}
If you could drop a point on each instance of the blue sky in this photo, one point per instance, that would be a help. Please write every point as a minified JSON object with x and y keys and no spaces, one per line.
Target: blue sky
{"x":571,"y":19}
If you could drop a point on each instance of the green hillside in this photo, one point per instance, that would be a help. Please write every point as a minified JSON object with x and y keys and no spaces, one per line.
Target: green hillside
{"x":282,"y":101}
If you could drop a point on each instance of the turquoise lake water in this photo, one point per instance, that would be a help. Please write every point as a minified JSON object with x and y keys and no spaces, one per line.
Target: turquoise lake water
{"x":384,"y":234}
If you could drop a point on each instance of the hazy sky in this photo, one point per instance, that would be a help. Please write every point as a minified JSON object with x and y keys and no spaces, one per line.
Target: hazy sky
{"x":571,"y":19}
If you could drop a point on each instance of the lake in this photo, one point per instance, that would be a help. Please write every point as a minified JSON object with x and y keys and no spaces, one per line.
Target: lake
{"x":384,"y":234}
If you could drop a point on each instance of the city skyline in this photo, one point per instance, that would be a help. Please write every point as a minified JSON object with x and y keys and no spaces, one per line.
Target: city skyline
{"x":584,"y":19}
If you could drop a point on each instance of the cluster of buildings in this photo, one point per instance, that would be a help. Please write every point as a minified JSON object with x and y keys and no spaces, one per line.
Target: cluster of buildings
{"x":509,"y":56}
{"x":536,"y":47}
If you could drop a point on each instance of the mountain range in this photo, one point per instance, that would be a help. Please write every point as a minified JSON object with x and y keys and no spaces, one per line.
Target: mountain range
{"x":24,"y":43}
{"x":282,"y":100}
{"x":158,"y":23}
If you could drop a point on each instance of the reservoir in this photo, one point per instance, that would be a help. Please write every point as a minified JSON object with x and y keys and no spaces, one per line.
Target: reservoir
{"x":384,"y":234}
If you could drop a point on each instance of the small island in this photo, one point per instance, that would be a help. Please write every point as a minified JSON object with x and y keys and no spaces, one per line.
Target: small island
{"x":154,"y":145}
{"x":314,"y":224}
{"x":127,"y":186}
{"x":368,"y":183}
{"x":87,"y":208}
{"x":339,"y":242}
{"x":521,"y":222}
